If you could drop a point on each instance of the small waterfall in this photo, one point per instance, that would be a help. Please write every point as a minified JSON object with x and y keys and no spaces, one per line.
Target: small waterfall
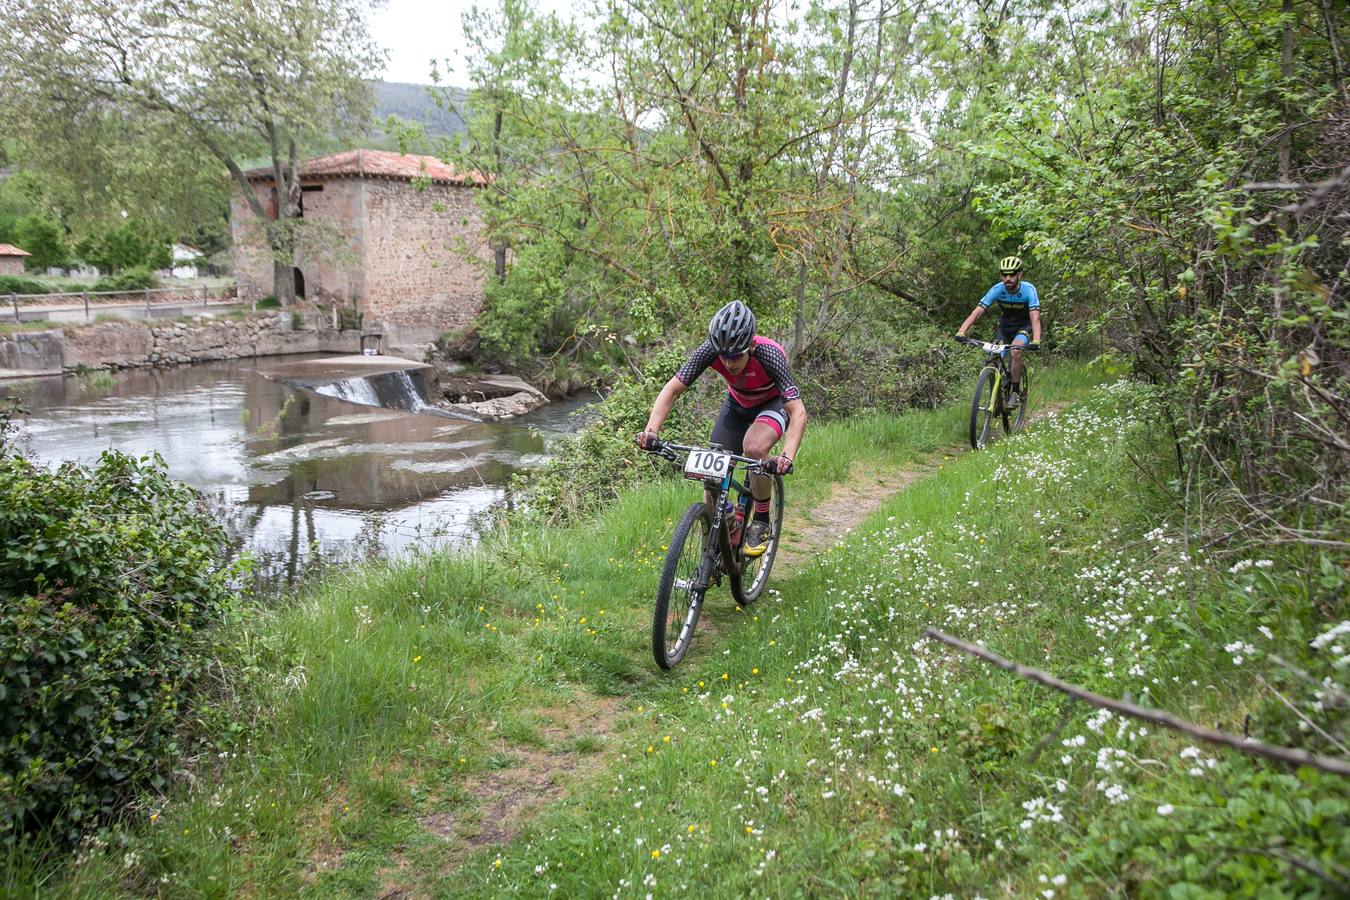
{"x":388,"y":390}
{"x":353,"y":390}
{"x":398,"y":390}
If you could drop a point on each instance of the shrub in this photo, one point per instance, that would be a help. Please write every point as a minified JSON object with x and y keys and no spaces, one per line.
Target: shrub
{"x":888,"y":367}
{"x":268,"y":302}
{"x":18,"y":284}
{"x":603,"y":459}
{"x":134,"y":279}
{"x":112,"y":576}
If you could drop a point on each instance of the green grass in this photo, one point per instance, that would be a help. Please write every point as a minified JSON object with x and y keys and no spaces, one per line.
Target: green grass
{"x":12,"y":327}
{"x":384,"y":695}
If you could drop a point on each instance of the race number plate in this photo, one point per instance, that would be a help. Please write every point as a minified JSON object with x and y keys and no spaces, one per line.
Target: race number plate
{"x":707,"y":464}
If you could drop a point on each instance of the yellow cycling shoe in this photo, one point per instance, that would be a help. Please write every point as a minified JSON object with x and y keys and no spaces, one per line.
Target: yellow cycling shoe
{"x":757,"y":538}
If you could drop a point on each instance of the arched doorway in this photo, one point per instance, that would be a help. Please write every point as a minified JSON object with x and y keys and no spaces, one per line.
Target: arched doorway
{"x":299,"y":282}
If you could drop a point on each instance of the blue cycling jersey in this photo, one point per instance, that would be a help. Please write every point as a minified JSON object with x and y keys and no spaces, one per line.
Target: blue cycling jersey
{"x":1015,"y":305}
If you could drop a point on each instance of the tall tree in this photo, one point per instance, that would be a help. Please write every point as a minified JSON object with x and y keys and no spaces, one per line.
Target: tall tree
{"x":241,"y":79}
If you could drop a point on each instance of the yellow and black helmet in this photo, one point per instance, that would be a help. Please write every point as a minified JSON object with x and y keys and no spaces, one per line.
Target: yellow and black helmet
{"x":1010,"y":264}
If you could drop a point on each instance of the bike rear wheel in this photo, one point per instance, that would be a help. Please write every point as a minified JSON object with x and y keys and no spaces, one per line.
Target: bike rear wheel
{"x":685,"y":576}
{"x":982,"y":408}
{"x":1013,"y":423}
{"x":755,"y":570}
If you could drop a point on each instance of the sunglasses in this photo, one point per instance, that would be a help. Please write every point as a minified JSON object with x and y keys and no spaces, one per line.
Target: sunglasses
{"x":732,"y":357}
{"x":1009,"y":274}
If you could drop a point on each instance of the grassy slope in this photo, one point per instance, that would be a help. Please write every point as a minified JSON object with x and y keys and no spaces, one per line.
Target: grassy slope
{"x":815,"y":746}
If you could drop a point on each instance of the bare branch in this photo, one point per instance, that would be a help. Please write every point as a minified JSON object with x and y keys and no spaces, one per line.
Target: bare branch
{"x":1287,"y":755}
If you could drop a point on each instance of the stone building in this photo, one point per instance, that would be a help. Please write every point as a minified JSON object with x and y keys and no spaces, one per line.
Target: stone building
{"x":397,"y":236}
{"x":11,"y":259}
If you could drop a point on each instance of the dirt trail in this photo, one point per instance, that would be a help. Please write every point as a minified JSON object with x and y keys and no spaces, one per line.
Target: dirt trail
{"x":850,"y":502}
{"x":506,"y":798}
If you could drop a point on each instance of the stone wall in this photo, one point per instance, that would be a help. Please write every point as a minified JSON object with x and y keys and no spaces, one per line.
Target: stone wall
{"x":30,"y":353}
{"x":416,"y":272}
{"x":330,"y":258}
{"x":252,"y":261}
{"x":135,"y":344}
{"x":11,"y":265}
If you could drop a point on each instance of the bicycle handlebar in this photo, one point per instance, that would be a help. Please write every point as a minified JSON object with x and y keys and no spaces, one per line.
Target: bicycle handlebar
{"x":669,"y":451}
{"x":993,"y":347}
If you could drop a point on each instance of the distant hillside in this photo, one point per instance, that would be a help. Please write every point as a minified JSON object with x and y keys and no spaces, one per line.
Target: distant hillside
{"x":414,"y":103}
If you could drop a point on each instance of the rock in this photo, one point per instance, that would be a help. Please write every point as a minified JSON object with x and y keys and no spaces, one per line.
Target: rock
{"x":500,"y":408}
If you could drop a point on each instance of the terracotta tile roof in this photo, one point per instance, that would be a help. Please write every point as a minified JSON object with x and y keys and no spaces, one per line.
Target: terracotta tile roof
{"x":11,"y":250}
{"x":378,"y":164}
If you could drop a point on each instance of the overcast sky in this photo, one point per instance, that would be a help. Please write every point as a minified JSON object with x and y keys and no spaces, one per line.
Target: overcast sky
{"x":418,"y":31}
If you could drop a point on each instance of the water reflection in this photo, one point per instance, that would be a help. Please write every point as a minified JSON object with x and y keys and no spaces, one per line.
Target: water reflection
{"x":297,"y":478}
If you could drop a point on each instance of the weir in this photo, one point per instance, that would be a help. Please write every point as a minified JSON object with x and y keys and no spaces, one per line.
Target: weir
{"x":387,"y":382}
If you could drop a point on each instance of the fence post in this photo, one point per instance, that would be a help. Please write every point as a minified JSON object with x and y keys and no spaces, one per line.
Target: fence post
{"x":147,"y":303}
{"x":14,"y":299}
{"x":86,"y":305}
{"x":206,"y":299}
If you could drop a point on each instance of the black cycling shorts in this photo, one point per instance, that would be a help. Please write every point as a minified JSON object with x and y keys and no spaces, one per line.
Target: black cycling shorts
{"x":735,"y":420}
{"x":1008,"y":332}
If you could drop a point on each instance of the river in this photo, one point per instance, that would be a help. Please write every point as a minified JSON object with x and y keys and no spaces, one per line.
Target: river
{"x":296,"y":478}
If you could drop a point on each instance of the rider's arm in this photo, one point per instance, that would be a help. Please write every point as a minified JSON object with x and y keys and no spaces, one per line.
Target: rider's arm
{"x":796,"y":409}
{"x":664,"y":401}
{"x":1035,"y":326}
{"x":971,"y":319}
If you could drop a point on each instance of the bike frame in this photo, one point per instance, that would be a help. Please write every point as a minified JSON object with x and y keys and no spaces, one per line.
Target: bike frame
{"x":715,"y":493}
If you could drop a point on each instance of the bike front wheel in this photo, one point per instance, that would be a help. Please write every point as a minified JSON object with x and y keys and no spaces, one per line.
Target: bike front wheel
{"x":755,"y":570}
{"x":982,"y":408}
{"x":688,"y":569}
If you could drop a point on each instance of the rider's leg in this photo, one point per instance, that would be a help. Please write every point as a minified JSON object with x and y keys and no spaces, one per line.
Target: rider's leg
{"x":759,"y":440}
{"x":1018,"y":343}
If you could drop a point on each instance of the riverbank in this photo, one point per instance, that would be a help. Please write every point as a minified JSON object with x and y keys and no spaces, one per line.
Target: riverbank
{"x":124,"y":344}
{"x":301,"y":479}
{"x":490,"y":722}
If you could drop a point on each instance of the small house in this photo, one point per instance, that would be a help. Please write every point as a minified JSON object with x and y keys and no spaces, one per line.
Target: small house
{"x":11,"y":259}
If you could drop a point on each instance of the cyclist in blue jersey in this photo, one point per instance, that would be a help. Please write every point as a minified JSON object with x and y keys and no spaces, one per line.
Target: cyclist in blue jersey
{"x":763,"y":405}
{"x":1019,"y":317}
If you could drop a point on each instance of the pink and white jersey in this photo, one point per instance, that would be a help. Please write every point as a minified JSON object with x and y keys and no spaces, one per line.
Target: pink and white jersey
{"x":765,"y":376}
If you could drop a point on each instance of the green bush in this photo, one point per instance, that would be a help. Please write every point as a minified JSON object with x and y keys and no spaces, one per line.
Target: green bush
{"x":268,"y":302}
{"x":112,"y":576}
{"x":133,"y":279}
{"x":18,"y":284}
{"x":887,"y":367}
{"x":603,"y":459}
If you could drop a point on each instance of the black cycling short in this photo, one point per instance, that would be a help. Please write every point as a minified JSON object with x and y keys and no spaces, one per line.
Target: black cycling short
{"x":735,"y":420}
{"x":1008,"y":332}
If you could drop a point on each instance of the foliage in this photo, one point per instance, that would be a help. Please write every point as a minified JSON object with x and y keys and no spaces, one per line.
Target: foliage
{"x":888,"y":367}
{"x":132,"y":279}
{"x":134,"y":243}
{"x":591,"y":469}
{"x":111,"y":582}
{"x":739,"y":155}
{"x":18,"y":284}
{"x":1198,"y":203}
{"x":45,"y":241}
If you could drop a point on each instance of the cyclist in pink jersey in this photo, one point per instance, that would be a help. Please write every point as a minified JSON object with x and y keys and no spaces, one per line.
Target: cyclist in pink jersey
{"x":763,"y":404}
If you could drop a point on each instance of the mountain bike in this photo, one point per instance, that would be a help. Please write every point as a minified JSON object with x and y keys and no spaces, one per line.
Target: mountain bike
{"x":992,"y":390}
{"x":706,"y":545}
